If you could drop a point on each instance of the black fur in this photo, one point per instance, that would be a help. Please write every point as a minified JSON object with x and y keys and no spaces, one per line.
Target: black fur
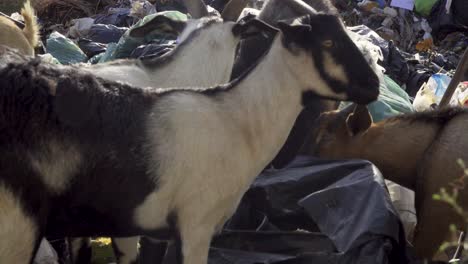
{"x":439,"y":117}
{"x":111,"y":141}
{"x":323,"y":27}
{"x":253,"y":49}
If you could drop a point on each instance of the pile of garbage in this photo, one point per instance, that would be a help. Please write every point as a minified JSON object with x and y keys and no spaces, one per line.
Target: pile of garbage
{"x":422,"y":42}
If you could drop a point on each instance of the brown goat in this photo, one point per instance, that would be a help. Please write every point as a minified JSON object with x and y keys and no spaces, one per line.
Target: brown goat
{"x":24,"y":40}
{"x":418,"y":151}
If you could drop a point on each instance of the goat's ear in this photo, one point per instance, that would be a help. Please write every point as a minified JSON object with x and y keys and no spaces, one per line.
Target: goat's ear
{"x":233,"y":9}
{"x":74,"y":103}
{"x":295,"y":31}
{"x":249,"y":26}
{"x":162,"y":23}
{"x":359,"y":121}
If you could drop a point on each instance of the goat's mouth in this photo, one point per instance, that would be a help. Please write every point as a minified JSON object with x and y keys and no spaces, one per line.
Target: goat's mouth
{"x":364,"y":96}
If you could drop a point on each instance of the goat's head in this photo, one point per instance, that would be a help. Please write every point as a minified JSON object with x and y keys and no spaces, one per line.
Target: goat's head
{"x":335,"y":132}
{"x":333,"y":67}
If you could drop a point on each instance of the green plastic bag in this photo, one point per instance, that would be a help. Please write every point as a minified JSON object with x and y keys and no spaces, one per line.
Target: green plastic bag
{"x":392,"y":100}
{"x":162,"y":35}
{"x":64,"y":50}
{"x":424,"y":7}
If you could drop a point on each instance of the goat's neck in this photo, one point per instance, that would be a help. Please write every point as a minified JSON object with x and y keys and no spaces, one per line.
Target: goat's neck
{"x":396,"y":148}
{"x":266,"y":103}
{"x":202,"y":61}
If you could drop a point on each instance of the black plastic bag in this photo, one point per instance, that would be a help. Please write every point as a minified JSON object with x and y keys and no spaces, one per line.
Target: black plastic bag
{"x":120,"y":18}
{"x":152,"y":50}
{"x":345,"y":195}
{"x":91,"y":48}
{"x":106,"y":33}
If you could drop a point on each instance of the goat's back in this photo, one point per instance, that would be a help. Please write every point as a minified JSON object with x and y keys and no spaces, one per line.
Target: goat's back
{"x":12,"y":36}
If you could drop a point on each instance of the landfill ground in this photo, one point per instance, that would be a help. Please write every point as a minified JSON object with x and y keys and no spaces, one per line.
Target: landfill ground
{"x":416,"y":46}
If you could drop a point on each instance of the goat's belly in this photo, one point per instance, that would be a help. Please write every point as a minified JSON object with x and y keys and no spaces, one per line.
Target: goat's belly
{"x":86,"y":221}
{"x":79,"y":222}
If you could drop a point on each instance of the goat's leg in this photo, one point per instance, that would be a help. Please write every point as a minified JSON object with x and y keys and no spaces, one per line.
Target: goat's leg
{"x":434,"y":218}
{"x":194,"y":229}
{"x":80,"y":249}
{"x":126,"y":249}
{"x":19,"y":232}
{"x":194,"y":244}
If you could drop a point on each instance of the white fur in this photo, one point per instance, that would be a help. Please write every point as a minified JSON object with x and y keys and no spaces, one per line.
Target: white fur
{"x":190,"y":67}
{"x":128,"y":247}
{"x":197,"y":179}
{"x":336,"y":71}
{"x":56,"y":164}
{"x":17,"y":230}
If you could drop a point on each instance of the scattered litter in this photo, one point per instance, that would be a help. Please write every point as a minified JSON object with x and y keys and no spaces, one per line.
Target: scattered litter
{"x":45,"y":254}
{"x":406,"y":4}
{"x":91,"y":48}
{"x":106,"y":33}
{"x":64,"y":49}
{"x":80,"y":27}
{"x":141,"y":8}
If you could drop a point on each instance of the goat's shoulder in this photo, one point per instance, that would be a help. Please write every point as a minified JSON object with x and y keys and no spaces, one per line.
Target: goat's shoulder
{"x":437,"y":117}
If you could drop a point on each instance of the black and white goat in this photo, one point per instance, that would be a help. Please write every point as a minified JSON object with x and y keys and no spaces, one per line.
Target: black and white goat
{"x":188,"y":65}
{"x":82,"y":156}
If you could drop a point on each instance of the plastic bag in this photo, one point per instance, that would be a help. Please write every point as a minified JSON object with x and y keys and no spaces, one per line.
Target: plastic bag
{"x":142,"y":8}
{"x":127,"y":44}
{"x":392,"y":100}
{"x":152,"y":50}
{"x":116,"y":16}
{"x":106,"y":33}
{"x":91,"y":48}
{"x":45,"y":254}
{"x":81,"y":27}
{"x":431,"y":92}
{"x":64,"y":50}
{"x":424,"y":7}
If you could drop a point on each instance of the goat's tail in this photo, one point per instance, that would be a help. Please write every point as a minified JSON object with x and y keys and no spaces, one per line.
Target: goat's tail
{"x":31,"y":28}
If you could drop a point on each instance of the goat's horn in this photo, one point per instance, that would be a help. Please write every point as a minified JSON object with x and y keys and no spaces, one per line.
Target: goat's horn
{"x":196,"y":8}
{"x":233,"y":9}
{"x":301,"y":7}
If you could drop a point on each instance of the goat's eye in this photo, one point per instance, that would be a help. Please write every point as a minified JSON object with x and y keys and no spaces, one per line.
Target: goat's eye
{"x":328,"y":43}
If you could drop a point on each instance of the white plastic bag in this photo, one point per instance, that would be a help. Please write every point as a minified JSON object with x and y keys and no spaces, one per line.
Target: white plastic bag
{"x":45,"y":254}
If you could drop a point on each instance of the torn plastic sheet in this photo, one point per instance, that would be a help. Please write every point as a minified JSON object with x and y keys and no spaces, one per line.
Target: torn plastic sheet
{"x":278,"y":218}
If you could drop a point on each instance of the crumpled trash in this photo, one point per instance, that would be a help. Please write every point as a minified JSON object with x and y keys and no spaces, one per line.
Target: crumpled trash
{"x":45,"y":254}
{"x":119,"y":17}
{"x":109,"y":54}
{"x":460,"y":11}
{"x":425,"y":45}
{"x":106,"y":33}
{"x":48,"y":58}
{"x":432,"y":92}
{"x":91,"y":48}
{"x":141,"y":8}
{"x":424,"y":7}
{"x":152,"y":50}
{"x":160,"y":35}
{"x":442,"y":22}
{"x":403,"y":200}
{"x":80,"y":27}
{"x":64,"y":50}
{"x":395,"y":63}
